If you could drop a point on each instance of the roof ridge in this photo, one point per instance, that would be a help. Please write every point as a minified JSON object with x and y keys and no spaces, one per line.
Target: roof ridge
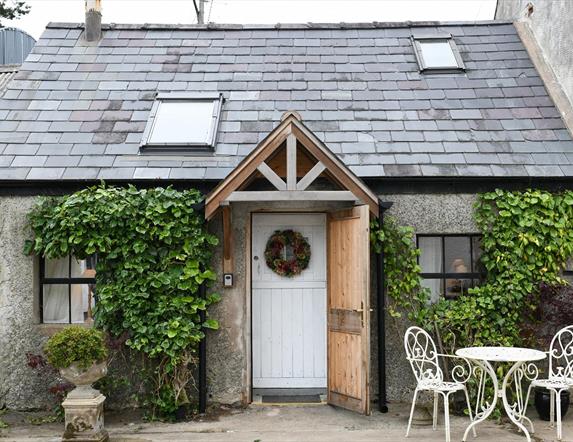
{"x":278,"y":26}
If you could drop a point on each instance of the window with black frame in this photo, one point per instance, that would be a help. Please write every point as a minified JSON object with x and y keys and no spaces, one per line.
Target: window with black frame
{"x":67,"y":290}
{"x":450,"y":264}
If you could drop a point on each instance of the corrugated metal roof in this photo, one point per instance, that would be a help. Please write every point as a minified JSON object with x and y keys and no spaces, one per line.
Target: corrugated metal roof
{"x":15,"y":45}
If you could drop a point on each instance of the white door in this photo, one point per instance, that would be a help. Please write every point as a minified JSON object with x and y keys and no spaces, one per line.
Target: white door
{"x":289,"y":314}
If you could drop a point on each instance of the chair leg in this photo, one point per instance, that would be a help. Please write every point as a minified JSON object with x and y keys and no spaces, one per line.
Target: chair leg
{"x":435,"y":414}
{"x":447,"y":415}
{"x":558,"y":411}
{"x":552,"y":408}
{"x":470,"y":410}
{"x":526,"y":403}
{"x":412,"y":411}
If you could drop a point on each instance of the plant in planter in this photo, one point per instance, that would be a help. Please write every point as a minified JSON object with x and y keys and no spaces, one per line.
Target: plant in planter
{"x":81,"y":356}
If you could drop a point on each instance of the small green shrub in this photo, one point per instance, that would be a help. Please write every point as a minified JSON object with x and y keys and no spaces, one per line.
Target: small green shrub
{"x":76,"y":344}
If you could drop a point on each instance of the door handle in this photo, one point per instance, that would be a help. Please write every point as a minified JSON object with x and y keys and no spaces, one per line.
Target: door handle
{"x":361,"y":311}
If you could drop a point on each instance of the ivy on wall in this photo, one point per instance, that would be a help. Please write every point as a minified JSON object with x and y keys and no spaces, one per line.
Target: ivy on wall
{"x":527,"y":238}
{"x":153,"y":254}
{"x":405,"y":294}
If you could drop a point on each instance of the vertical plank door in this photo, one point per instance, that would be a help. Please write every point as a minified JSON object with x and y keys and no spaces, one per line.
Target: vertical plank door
{"x":348,"y":319}
{"x":289,"y":314}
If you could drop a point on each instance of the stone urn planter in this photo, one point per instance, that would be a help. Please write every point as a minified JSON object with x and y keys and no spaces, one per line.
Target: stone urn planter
{"x":84,"y":404}
{"x":80,"y":353}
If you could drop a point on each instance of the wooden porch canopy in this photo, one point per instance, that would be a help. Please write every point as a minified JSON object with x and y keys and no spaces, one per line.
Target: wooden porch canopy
{"x":291,"y":158}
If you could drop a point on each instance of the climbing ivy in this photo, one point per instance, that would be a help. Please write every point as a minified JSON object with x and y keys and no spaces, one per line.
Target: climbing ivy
{"x":153,"y":254}
{"x":527,"y":238}
{"x":404,"y":291}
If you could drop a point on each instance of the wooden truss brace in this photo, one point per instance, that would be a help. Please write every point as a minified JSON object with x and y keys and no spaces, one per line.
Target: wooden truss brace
{"x":291,"y":184}
{"x":290,"y":131}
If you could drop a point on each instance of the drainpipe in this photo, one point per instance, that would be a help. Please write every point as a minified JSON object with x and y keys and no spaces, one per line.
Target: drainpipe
{"x":202,"y":360}
{"x":381,"y":302}
{"x":203,"y":342}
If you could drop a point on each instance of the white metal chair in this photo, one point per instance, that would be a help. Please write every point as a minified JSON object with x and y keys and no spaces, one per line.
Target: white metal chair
{"x":423,"y":357}
{"x":560,"y":374}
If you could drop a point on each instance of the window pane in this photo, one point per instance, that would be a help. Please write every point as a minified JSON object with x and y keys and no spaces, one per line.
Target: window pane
{"x":477,"y":266}
{"x":182,"y":122}
{"x":57,"y":268}
{"x":82,"y":302}
{"x":436,"y":288}
{"x":457,"y":249}
{"x":83,"y":268}
{"x":55,"y":308}
{"x":437,"y":54}
{"x":457,"y":287}
{"x":430,"y":254}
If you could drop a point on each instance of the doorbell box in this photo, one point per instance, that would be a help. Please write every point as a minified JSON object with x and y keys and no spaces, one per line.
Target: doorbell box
{"x":228,"y":280}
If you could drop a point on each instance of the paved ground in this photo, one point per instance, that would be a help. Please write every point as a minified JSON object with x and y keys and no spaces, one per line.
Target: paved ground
{"x":285,"y":423}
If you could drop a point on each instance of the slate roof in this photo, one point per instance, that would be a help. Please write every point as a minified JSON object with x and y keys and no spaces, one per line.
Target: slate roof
{"x":77,"y":110}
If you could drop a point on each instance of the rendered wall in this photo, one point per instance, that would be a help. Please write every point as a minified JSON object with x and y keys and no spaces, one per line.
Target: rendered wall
{"x":227,"y":348}
{"x":228,"y":360}
{"x":20,"y":387}
{"x":551,"y":23}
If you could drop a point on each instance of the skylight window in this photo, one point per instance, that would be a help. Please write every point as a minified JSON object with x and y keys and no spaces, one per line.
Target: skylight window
{"x":183,"y":121}
{"x":437,"y":53}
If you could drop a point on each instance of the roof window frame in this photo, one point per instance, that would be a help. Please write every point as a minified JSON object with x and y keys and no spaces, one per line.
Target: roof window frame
{"x":423,"y":67}
{"x":147,"y":145}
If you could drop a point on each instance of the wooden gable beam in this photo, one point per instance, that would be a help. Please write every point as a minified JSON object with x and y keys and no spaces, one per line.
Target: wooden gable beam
{"x":247,"y":167}
{"x":290,"y":130}
{"x":291,"y":162}
{"x":334,"y":165}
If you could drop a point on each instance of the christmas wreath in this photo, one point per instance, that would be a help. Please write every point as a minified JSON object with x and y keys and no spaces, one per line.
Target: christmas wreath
{"x":287,"y":253}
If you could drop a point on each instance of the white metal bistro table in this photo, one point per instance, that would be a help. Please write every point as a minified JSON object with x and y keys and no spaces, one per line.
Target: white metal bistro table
{"x":522,"y":367}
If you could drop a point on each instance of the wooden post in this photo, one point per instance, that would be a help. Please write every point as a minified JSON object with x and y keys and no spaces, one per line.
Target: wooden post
{"x":227,"y":240}
{"x":291,"y":162}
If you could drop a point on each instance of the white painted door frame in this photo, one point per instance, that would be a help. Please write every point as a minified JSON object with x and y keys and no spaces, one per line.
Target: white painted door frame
{"x":288,"y":315}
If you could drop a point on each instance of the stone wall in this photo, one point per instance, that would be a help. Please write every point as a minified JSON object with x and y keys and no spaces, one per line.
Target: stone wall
{"x":550,"y":22}
{"x":20,"y":387}
{"x":227,"y":348}
{"x":427,"y":213}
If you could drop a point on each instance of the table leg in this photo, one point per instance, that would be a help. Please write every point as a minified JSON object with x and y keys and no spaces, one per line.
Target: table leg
{"x":483,"y":408}
{"x":516,"y":411}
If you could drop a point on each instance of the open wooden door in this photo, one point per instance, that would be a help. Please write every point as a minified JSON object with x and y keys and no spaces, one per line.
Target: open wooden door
{"x":349,"y":309}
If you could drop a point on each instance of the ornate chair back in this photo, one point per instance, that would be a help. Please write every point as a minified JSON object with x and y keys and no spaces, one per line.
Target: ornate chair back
{"x":561,"y":354}
{"x":422,"y":354}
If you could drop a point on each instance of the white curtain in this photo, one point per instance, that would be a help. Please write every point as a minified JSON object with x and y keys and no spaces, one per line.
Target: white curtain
{"x":55,"y":308}
{"x":431,"y":262}
{"x":79,"y":292}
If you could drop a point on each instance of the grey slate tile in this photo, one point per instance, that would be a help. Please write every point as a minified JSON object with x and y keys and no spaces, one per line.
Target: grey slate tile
{"x":45,"y":173}
{"x":543,"y":171}
{"x":116,"y":173}
{"x":14,"y":173}
{"x":359,"y":89}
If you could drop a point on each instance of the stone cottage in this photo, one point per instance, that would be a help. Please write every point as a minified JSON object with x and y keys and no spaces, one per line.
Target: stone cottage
{"x":312,"y":128}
